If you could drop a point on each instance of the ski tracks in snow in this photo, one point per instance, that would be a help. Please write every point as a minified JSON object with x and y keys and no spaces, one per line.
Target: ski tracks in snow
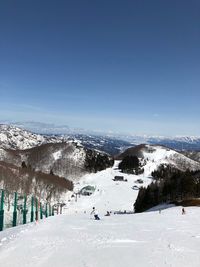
{"x":148,"y":239}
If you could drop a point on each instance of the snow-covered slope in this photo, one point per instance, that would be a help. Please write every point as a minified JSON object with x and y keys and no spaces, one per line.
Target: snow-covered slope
{"x":152,"y":156}
{"x":157,"y":155}
{"x":109,"y":194}
{"x":66,"y":159}
{"x":12,"y":137}
{"x":149,"y":239}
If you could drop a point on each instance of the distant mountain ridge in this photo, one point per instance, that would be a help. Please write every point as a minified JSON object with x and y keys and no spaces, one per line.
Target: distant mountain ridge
{"x":18,"y":138}
{"x":43,"y":128}
{"x":12,"y":137}
{"x":181,"y":143}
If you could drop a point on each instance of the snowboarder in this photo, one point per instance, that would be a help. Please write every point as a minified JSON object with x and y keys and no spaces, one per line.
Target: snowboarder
{"x":94,"y":211}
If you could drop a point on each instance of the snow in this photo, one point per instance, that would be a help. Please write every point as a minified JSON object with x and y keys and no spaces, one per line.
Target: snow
{"x":161,"y":207}
{"x":12,"y":137}
{"x":75,"y":239}
{"x":78,"y":155}
{"x":158,"y":155}
{"x":148,"y":239}
{"x":109,"y":194}
{"x":16,"y":138}
{"x":155,"y":155}
{"x":57,"y":155}
{"x":3,"y":137}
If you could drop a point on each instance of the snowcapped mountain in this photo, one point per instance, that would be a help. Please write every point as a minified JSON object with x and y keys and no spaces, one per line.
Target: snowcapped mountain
{"x":152,"y":156}
{"x":182,"y":143}
{"x":179,"y":143}
{"x":66,"y":159}
{"x":18,"y":138}
{"x":112,"y":143}
{"x":112,"y":146}
{"x":12,"y":137}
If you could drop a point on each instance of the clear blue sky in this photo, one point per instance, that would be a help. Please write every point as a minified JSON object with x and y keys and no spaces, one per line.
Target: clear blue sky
{"x":125,"y":66}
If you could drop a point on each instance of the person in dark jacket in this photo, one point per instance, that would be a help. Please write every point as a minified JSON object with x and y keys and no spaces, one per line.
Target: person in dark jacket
{"x":183,"y":211}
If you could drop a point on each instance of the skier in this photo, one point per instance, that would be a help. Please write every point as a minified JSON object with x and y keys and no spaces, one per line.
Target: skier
{"x":94,"y":211}
{"x":183,"y":211}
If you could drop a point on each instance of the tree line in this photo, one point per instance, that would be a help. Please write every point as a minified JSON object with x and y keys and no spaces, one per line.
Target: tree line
{"x":45,"y":187}
{"x":170,"y":185}
{"x":131,"y":165}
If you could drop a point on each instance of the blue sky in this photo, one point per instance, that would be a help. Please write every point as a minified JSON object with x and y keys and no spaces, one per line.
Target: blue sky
{"x":109,"y":65}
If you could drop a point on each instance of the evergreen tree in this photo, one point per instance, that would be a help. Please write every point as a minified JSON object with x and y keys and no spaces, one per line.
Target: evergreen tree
{"x":129,"y":164}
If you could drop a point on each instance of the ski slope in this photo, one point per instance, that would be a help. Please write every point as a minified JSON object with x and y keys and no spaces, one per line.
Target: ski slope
{"x":150,"y":239}
{"x":156,"y":155}
{"x":109,"y":195}
{"x":75,"y":239}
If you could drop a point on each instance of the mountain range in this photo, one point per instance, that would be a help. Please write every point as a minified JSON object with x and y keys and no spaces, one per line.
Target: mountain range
{"x":58,"y":155}
{"x":35,"y":133}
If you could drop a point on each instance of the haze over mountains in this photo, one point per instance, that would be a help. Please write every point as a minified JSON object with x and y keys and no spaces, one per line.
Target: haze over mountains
{"x":112,"y":143}
{"x":71,"y":156}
